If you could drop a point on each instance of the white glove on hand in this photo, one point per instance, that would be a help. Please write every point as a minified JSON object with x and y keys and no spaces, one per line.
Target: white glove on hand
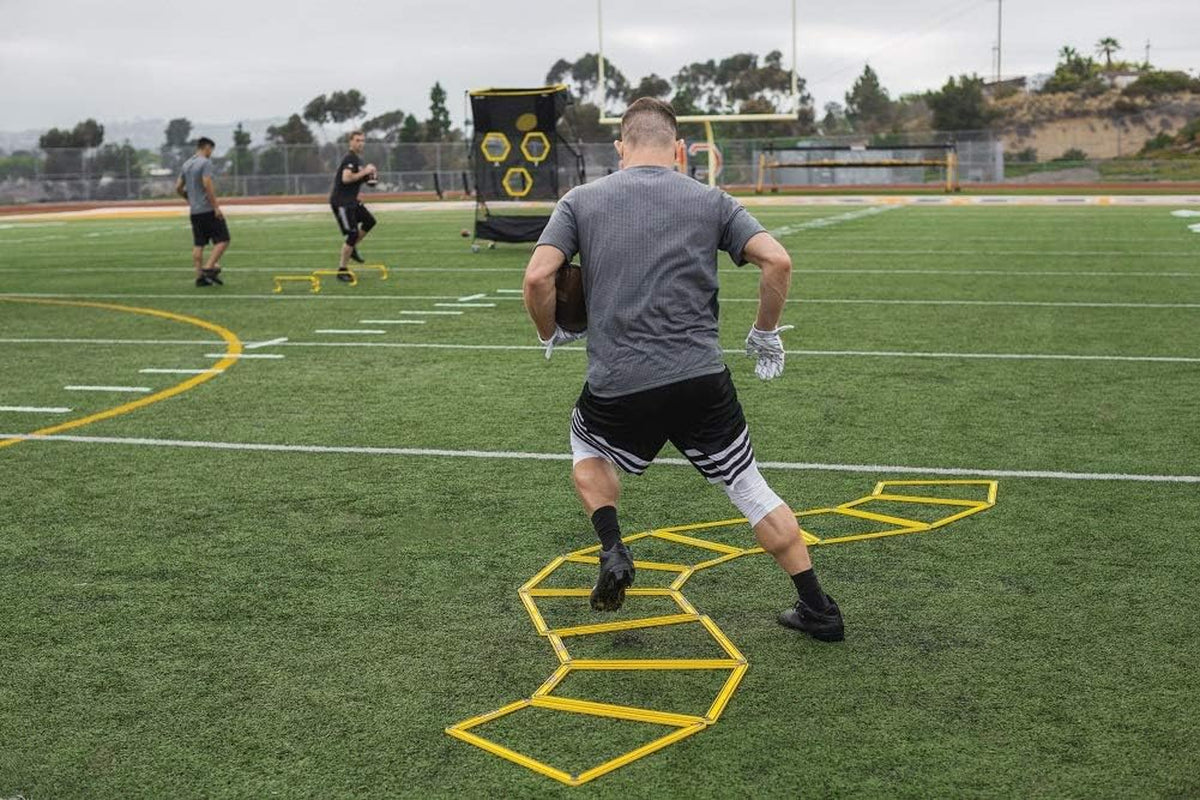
{"x":767,"y":347}
{"x":559,"y":337}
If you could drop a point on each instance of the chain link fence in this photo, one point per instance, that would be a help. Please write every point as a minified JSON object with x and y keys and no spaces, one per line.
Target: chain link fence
{"x":120,"y":173}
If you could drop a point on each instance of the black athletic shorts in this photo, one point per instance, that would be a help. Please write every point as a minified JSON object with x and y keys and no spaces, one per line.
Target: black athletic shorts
{"x":351,"y":216}
{"x":208,"y":227}
{"x":700,"y":416}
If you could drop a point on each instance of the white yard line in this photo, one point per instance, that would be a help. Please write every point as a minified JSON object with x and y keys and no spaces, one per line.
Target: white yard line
{"x":811,"y":301}
{"x":140,"y":389}
{"x":156,"y":371}
{"x":206,"y":343}
{"x":826,"y":222}
{"x":526,"y":456}
{"x":392,"y":321}
{"x":510,"y":291}
{"x":434,"y":313}
{"x":351,"y":331}
{"x":243,"y":355}
{"x":731,"y":351}
{"x":268,"y":343}
{"x":34,"y":410}
{"x":471,"y":297}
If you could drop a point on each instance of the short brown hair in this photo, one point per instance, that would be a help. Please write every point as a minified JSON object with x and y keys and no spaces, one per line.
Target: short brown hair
{"x":355,"y":133}
{"x":649,"y":121}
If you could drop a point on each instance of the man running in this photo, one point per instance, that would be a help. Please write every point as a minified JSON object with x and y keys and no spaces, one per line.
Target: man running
{"x":648,"y":238}
{"x":195,"y":184}
{"x":352,"y":216}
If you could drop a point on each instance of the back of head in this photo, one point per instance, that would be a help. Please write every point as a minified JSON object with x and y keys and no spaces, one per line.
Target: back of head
{"x":649,"y":123}
{"x":205,"y":145}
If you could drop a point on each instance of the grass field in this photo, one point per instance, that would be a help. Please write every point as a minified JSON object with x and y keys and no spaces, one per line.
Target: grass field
{"x":204,"y":621}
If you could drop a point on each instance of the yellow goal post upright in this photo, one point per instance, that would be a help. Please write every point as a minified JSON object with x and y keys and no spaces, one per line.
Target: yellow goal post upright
{"x":773,"y":159}
{"x":707,"y":120}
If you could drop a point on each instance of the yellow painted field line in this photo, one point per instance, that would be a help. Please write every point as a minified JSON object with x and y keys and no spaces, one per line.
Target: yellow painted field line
{"x":613,"y":711}
{"x":617,"y":664}
{"x":633,"y":755}
{"x":625,"y":625}
{"x":233,"y":348}
{"x":703,"y":544}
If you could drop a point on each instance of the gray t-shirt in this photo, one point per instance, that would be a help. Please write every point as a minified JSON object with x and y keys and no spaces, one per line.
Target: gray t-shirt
{"x":647,"y":238}
{"x":194,"y":170}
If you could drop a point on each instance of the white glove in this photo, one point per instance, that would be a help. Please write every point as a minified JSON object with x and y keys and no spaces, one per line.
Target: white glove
{"x":767,"y":347}
{"x":559,"y":337}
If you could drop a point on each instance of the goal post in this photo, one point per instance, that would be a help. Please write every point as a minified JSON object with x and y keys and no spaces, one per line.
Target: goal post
{"x":897,"y":159}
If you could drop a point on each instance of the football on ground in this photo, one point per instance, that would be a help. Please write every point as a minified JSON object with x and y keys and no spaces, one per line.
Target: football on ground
{"x":570,"y":312}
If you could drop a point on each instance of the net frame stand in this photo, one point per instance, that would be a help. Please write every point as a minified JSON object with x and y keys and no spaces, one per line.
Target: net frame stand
{"x":949,"y":162}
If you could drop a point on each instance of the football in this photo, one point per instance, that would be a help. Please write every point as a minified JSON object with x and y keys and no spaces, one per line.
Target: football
{"x":570,"y":311}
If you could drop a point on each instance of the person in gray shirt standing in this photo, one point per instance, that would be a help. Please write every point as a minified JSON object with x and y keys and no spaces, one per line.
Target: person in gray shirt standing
{"x":195,"y":184}
{"x":648,"y":237}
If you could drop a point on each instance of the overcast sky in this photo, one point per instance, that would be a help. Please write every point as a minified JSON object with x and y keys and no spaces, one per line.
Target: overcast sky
{"x":224,"y":60}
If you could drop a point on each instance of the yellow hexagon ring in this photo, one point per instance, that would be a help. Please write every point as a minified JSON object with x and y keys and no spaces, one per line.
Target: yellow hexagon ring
{"x":539,"y":138}
{"x":493,"y":139}
{"x":526,"y":182}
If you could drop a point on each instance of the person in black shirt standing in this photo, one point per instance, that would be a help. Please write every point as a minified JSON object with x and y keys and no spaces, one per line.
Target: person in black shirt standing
{"x":352,"y":216}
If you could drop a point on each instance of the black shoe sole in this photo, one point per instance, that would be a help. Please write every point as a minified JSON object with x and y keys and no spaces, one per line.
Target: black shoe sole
{"x":789,"y":619}
{"x":609,"y":592}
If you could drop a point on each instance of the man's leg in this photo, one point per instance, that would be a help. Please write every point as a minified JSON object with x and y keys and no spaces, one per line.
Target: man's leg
{"x":367,"y":220}
{"x":215,"y":255}
{"x":198,"y":260}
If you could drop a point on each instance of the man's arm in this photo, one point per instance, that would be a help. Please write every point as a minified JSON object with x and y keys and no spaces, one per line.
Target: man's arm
{"x":211,"y":193}
{"x":350,"y":176}
{"x":179,"y":188}
{"x":538,"y":288}
{"x":766,"y":253}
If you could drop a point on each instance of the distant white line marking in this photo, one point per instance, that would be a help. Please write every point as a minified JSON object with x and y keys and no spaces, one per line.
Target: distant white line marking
{"x":155,"y":371}
{"x":471,"y":297}
{"x":142,"y":389}
{"x":35,"y":410}
{"x":392,"y":321}
{"x":465,"y":305}
{"x":825,"y":222}
{"x":207,"y":343}
{"x":373,"y":331}
{"x":510,"y":291}
{"x":434,"y":313}
{"x":680,"y":462}
{"x":268,"y":343}
{"x":242,"y":355}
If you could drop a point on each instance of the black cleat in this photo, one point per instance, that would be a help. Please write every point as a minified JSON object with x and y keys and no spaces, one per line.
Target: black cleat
{"x":203,"y":280}
{"x":355,"y":256}
{"x":824,"y":625}
{"x":345,"y":275}
{"x":616,"y":573}
{"x":214,"y":276}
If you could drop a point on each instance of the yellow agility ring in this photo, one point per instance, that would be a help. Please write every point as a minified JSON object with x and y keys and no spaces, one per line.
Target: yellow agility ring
{"x":710,"y":554}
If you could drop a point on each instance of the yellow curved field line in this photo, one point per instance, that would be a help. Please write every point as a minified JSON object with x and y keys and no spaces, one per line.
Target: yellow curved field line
{"x":233,"y":348}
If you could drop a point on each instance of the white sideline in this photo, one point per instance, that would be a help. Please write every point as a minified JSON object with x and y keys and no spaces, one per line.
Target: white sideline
{"x":154,"y":371}
{"x":35,"y":410}
{"x":374,"y":331}
{"x":243,"y":355}
{"x":392,"y":321}
{"x":678,"y":462}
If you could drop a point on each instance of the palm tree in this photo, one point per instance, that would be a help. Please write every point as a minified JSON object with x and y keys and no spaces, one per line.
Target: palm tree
{"x":1106,"y":47}
{"x":1068,"y":54}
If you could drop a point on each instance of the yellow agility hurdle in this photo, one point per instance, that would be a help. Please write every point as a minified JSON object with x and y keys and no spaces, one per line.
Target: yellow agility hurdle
{"x":353,"y":278}
{"x":733,"y":662}
{"x":380,"y":268}
{"x":314,"y":283}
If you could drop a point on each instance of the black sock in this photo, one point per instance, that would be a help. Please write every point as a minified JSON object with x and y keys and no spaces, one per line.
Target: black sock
{"x":605,"y":523}
{"x":809,"y":589}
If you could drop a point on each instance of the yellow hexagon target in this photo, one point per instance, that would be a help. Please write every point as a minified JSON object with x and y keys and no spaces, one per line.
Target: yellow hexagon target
{"x":495,"y":147}
{"x":517,"y":182}
{"x":535,"y":147}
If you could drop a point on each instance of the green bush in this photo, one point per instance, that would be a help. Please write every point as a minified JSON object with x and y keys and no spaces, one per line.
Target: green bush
{"x":1074,"y":154}
{"x":1158,"y":82}
{"x":1026,"y":156}
{"x":1160,"y":142}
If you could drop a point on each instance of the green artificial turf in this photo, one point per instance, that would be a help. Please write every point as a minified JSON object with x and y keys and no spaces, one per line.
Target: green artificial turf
{"x":198,"y":622}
